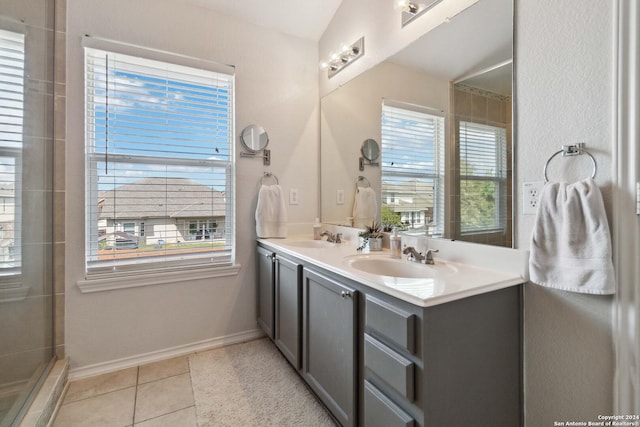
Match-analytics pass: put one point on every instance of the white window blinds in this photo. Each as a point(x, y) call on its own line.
point(160, 178)
point(483, 177)
point(412, 167)
point(12, 62)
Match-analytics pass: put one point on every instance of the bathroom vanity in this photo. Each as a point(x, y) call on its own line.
point(439, 346)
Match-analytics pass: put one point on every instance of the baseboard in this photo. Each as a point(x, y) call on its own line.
point(155, 356)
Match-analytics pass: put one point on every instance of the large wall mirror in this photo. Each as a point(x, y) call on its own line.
point(440, 111)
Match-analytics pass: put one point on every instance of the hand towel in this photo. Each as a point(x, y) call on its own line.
point(364, 207)
point(571, 242)
point(271, 213)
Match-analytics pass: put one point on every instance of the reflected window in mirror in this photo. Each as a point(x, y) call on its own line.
point(12, 63)
point(483, 176)
point(412, 195)
point(481, 210)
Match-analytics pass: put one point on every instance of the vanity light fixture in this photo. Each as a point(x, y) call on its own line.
point(411, 9)
point(347, 55)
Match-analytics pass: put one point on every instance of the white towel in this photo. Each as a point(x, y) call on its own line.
point(571, 243)
point(364, 207)
point(271, 213)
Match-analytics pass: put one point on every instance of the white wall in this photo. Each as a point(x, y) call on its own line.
point(276, 87)
point(564, 71)
point(564, 94)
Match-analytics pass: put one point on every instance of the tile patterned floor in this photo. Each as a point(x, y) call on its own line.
point(153, 395)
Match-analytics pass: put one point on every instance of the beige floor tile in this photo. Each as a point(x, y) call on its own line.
point(113, 409)
point(101, 384)
point(163, 369)
point(163, 396)
point(182, 418)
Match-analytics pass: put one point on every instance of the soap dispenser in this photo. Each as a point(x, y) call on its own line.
point(317, 230)
point(395, 244)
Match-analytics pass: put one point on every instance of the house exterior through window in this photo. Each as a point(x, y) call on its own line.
point(159, 160)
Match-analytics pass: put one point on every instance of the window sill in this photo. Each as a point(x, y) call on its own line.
point(135, 280)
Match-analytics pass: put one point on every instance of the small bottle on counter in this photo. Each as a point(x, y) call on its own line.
point(395, 244)
point(317, 229)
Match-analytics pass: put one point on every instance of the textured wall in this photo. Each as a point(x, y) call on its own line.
point(564, 74)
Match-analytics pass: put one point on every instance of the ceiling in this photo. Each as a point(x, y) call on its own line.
point(306, 19)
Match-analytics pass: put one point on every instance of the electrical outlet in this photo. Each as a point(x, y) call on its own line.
point(340, 197)
point(531, 192)
point(293, 196)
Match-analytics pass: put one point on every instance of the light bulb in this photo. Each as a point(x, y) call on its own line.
point(400, 4)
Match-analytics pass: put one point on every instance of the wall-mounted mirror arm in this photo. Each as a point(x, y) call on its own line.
point(266, 155)
point(255, 140)
point(362, 162)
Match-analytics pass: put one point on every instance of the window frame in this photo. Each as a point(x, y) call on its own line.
point(500, 179)
point(215, 265)
point(10, 277)
point(437, 175)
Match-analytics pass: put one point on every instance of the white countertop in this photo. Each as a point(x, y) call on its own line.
point(461, 280)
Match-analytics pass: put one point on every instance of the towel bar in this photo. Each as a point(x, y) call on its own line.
point(268, 175)
point(571, 150)
point(362, 179)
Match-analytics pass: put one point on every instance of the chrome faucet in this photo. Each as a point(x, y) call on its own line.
point(332, 238)
point(429, 257)
point(415, 256)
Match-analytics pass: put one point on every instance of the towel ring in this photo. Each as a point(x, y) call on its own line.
point(571, 150)
point(268, 175)
point(362, 179)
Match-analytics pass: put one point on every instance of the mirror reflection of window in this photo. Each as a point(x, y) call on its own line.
point(412, 168)
point(12, 61)
point(482, 139)
point(483, 178)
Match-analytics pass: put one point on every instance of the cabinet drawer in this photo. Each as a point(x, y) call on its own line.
point(395, 370)
point(392, 322)
point(380, 411)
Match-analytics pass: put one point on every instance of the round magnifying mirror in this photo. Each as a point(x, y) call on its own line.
point(254, 138)
point(370, 149)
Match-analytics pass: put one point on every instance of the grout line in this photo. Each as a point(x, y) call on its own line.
point(193, 395)
point(169, 413)
point(135, 397)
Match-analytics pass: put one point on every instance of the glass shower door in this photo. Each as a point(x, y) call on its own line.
point(26, 166)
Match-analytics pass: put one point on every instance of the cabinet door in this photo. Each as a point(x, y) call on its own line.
point(265, 291)
point(329, 343)
point(288, 309)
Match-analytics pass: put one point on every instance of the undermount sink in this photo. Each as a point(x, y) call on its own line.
point(400, 268)
point(310, 244)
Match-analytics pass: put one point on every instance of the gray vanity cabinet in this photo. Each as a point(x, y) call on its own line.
point(279, 302)
point(330, 326)
point(288, 318)
point(374, 360)
point(452, 364)
point(266, 294)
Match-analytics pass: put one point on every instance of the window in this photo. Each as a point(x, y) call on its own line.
point(483, 178)
point(412, 167)
point(159, 141)
point(12, 61)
